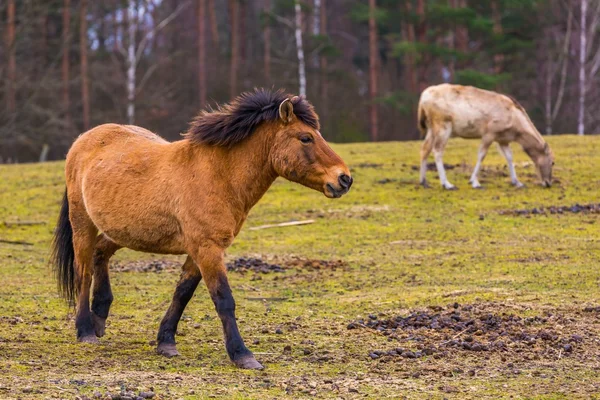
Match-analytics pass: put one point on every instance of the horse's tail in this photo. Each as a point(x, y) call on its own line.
point(422, 121)
point(63, 254)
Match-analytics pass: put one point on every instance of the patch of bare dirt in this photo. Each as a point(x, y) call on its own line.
point(241, 264)
point(574, 209)
point(486, 328)
point(146, 266)
point(431, 167)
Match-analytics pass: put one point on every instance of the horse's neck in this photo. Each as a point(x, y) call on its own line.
point(249, 166)
point(529, 137)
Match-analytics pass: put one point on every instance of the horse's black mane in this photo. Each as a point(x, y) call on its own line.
point(231, 123)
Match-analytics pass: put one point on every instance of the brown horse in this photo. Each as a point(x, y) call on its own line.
point(187, 197)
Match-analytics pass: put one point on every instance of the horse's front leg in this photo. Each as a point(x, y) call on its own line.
point(212, 267)
point(190, 278)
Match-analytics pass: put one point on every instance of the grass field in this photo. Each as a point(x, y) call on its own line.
point(405, 250)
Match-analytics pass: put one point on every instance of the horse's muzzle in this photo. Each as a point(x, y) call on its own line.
point(344, 184)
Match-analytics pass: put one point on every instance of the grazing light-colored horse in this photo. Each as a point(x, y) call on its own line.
point(464, 111)
point(127, 187)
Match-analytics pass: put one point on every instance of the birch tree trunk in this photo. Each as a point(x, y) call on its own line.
point(300, 50)
point(267, 44)
point(131, 61)
point(11, 102)
point(83, 44)
point(373, 117)
point(66, 21)
point(202, 53)
point(582, 73)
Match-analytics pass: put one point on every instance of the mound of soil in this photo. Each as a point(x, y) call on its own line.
point(245, 264)
point(575, 209)
point(478, 328)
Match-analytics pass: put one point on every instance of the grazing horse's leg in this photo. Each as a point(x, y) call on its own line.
point(190, 277)
point(483, 149)
point(507, 152)
point(210, 261)
point(425, 151)
point(105, 248)
point(84, 239)
point(439, 144)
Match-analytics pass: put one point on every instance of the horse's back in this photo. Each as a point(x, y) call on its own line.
point(471, 111)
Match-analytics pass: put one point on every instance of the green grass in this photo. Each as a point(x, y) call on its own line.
point(450, 247)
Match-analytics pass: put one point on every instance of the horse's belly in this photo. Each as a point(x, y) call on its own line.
point(133, 220)
point(157, 240)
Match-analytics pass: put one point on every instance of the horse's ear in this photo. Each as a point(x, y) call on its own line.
point(546, 149)
point(286, 111)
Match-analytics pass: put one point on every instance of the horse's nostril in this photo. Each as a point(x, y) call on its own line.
point(345, 181)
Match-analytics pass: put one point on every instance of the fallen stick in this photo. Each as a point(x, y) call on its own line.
point(291, 223)
point(24, 223)
point(16, 242)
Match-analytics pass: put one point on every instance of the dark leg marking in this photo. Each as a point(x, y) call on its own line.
point(103, 296)
point(236, 349)
point(190, 278)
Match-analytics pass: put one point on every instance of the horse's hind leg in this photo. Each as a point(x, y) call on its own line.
point(105, 248)
point(439, 143)
point(190, 278)
point(425, 151)
point(84, 240)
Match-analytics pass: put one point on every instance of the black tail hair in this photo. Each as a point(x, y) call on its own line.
point(63, 254)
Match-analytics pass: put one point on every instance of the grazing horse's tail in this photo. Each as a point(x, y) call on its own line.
point(63, 254)
point(422, 121)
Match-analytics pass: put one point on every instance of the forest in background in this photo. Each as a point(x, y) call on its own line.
point(68, 65)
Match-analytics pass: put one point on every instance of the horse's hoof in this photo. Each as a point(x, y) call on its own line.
point(248, 362)
point(88, 339)
point(425, 185)
point(451, 187)
point(518, 185)
point(477, 187)
point(167, 350)
point(99, 325)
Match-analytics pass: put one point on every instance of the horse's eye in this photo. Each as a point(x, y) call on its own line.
point(306, 139)
point(553, 163)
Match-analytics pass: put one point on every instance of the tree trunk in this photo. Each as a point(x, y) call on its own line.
point(11, 101)
point(497, 17)
point(214, 29)
point(83, 44)
point(66, 21)
point(202, 53)
point(131, 61)
point(233, 70)
point(300, 51)
point(582, 74)
point(373, 50)
point(421, 33)
point(267, 40)
point(411, 67)
point(316, 28)
point(324, 77)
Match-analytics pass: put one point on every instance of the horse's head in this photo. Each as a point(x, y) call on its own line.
point(300, 154)
point(544, 161)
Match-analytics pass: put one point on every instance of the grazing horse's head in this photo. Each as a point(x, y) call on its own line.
point(300, 153)
point(544, 161)
point(290, 128)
